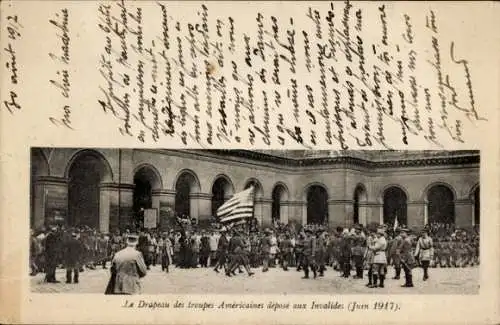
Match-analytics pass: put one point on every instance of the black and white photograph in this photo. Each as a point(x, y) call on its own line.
point(124, 221)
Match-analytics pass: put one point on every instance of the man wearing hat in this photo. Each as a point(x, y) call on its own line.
point(425, 252)
point(52, 251)
point(379, 245)
point(358, 252)
point(395, 254)
point(222, 246)
point(346, 253)
point(321, 249)
point(309, 254)
point(407, 259)
point(73, 250)
point(265, 246)
point(129, 266)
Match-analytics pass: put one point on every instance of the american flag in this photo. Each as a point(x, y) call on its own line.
point(237, 209)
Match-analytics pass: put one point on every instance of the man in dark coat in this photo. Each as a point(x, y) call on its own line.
point(407, 259)
point(222, 247)
point(73, 251)
point(52, 251)
point(346, 254)
point(395, 254)
point(309, 254)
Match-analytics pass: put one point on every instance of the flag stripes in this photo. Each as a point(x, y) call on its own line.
point(238, 208)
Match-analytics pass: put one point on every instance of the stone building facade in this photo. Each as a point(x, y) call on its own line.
point(106, 188)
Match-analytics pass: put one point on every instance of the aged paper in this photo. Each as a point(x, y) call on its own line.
point(271, 75)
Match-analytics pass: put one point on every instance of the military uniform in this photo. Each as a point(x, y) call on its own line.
point(407, 260)
point(265, 246)
point(395, 255)
point(321, 252)
point(425, 253)
point(222, 247)
point(379, 247)
point(346, 255)
point(358, 252)
point(309, 255)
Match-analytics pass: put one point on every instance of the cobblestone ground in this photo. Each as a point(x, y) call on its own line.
point(276, 281)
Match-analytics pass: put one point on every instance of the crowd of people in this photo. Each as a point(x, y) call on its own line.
point(352, 251)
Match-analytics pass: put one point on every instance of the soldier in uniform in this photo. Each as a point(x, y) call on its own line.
point(345, 254)
point(358, 252)
point(102, 250)
point(286, 251)
point(395, 254)
point(309, 254)
point(379, 246)
point(222, 247)
point(299, 250)
point(369, 254)
point(265, 246)
point(237, 254)
point(52, 247)
point(425, 252)
point(321, 249)
point(73, 250)
point(166, 252)
point(407, 259)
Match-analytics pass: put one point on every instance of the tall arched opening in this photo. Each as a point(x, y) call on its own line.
point(317, 205)
point(280, 194)
point(186, 184)
point(86, 172)
point(395, 206)
point(359, 211)
point(441, 204)
point(146, 179)
point(222, 190)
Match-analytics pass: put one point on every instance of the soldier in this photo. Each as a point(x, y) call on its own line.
point(395, 254)
point(309, 254)
point(128, 266)
point(321, 250)
point(345, 254)
point(73, 250)
point(102, 249)
point(166, 252)
point(286, 251)
point(358, 252)
point(222, 247)
point(237, 254)
point(379, 246)
point(52, 247)
point(369, 254)
point(425, 252)
point(299, 250)
point(407, 259)
point(265, 246)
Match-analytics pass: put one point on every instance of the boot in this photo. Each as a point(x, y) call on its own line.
point(369, 284)
point(306, 273)
point(314, 272)
point(68, 276)
point(426, 275)
point(374, 283)
point(166, 268)
point(382, 278)
point(398, 274)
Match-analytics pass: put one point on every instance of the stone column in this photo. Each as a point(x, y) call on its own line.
point(108, 206)
point(285, 207)
point(295, 211)
point(339, 213)
point(201, 207)
point(126, 207)
point(263, 211)
point(50, 199)
point(364, 212)
point(374, 212)
point(164, 202)
point(416, 214)
point(464, 211)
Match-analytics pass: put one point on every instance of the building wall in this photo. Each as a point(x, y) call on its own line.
point(51, 180)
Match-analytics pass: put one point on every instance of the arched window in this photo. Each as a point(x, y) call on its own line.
point(317, 205)
point(395, 206)
point(441, 204)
